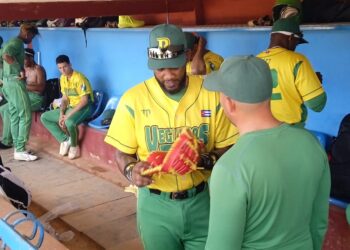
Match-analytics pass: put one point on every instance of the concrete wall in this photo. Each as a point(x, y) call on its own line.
point(114, 59)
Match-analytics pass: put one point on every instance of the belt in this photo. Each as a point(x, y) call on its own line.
point(181, 195)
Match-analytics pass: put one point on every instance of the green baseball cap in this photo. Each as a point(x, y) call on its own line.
point(167, 47)
point(292, 3)
point(288, 26)
point(245, 79)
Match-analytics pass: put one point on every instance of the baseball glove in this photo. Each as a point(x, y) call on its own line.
point(181, 159)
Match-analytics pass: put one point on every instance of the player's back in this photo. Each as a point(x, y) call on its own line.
point(284, 170)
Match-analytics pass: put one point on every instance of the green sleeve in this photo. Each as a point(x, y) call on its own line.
point(317, 103)
point(228, 204)
point(319, 219)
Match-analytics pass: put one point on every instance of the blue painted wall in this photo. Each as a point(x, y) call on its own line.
point(114, 59)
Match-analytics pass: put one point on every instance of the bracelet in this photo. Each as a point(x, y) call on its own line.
point(128, 170)
point(208, 160)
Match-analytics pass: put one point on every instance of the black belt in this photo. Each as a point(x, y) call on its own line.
point(182, 194)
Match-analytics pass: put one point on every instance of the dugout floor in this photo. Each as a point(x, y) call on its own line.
point(85, 196)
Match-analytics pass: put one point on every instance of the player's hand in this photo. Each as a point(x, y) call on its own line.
point(137, 178)
point(21, 76)
point(61, 122)
point(319, 76)
point(202, 42)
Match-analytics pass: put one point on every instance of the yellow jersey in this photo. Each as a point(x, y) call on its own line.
point(212, 63)
point(294, 82)
point(75, 88)
point(147, 120)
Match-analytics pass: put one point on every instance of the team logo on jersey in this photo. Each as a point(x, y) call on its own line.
point(161, 139)
point(146, 112)
point(163, 42)
point(206, 113)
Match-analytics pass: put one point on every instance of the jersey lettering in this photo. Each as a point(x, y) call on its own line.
point(161, 139)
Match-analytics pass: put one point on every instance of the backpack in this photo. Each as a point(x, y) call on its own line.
point(52, 91)
point(340, 162)
point(13, 189)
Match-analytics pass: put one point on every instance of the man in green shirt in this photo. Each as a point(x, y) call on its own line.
point(269, 191)
point(15, 90)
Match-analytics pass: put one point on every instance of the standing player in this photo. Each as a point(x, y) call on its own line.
point(35, 84)
point(172, 209)
point(15, 91)
point(201, 60)
point(295, 83)
point(259, 201)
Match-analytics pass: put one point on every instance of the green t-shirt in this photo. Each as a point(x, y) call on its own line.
point(270, 191)
point(1, 66)
point(14, 48)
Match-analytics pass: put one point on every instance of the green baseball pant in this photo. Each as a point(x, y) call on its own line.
point(19, 108)
point(50, 121)
point(172, 224)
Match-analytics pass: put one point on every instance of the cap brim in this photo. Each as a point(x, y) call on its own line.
point(302, 40)
point(177, 62)
point(213, 82)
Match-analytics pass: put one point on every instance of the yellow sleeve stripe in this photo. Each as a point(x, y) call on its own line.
point(131, 111)
point(312, 92)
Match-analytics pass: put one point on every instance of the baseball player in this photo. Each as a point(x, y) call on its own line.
point(173, 208)
point(77, 97)
point(201, 60)
point(35, 80)
point(295, 83)
point(259, 200)
point(35, 84)
point(15, 91)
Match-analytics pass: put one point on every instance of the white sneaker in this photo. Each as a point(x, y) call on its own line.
point(24, 156)
point(64, 147)
point(73, 153)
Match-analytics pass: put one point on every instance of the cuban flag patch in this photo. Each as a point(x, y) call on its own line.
point(206, 113)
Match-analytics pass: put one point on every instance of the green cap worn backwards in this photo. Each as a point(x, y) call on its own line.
point(288, 26)
point(167, 47)
point(245, 79)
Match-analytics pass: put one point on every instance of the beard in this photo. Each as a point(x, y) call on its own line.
point(181, 84)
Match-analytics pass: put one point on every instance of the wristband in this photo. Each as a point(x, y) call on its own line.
point(128, 170)
point(207, 160)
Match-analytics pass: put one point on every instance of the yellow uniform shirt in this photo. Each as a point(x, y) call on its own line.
point(212, 62)
point(294, 82)
point(148, 120)
point(75, 88)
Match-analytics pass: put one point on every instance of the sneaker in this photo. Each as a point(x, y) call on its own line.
point(4, 146)
point(24, 156)
point(64, 147)
point(129, 22)
point(73, 153)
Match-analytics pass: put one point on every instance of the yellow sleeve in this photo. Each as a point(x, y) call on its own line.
point(212, 62)
point(226, 133)
point(307, 82)
point(84, 86)
point(121, 133)
point(62, 85)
